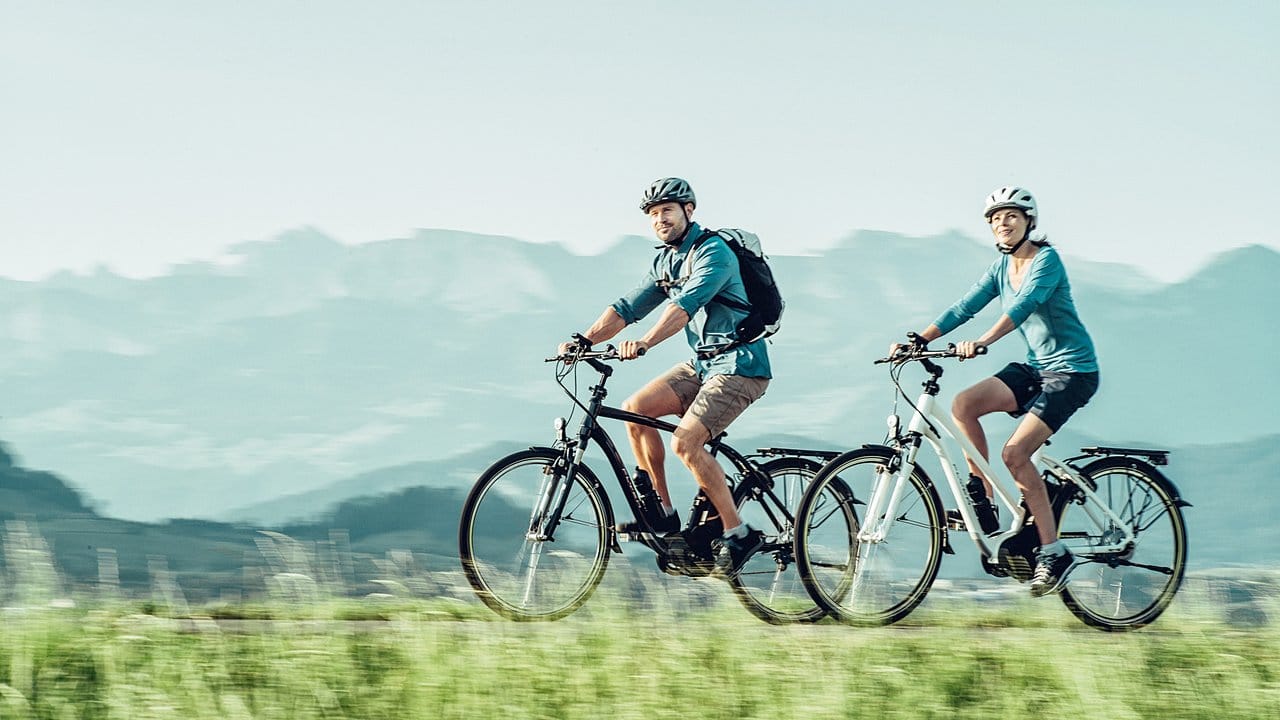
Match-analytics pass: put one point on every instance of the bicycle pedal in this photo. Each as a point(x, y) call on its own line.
point(1019, 566)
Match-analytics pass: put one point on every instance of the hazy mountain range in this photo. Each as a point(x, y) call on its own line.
point(305, 367)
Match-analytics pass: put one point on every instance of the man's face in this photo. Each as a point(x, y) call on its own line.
point(670, 220)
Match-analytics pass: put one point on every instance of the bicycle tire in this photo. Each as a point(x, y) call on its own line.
point(769, 585)
point(528, 579)
point(1130, 589)
point(867, 583)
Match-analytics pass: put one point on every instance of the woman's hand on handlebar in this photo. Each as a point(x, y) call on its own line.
point(916, 343)
point(967, 349)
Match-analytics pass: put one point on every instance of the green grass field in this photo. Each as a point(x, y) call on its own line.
point(668, 658)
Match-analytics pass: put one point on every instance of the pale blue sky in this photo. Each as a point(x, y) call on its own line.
point(139, 134)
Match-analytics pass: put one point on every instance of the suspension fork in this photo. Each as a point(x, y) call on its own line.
point(890, 483)
point(555, 492)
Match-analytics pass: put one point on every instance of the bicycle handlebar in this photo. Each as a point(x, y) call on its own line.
point(608, 353)
point(911, 353)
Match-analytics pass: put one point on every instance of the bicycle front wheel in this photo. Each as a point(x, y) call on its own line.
point(881, 577)
point(769, 585)
point(1129, 588)
point(514, 565)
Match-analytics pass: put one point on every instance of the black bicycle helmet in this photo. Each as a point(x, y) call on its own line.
point(670, 189)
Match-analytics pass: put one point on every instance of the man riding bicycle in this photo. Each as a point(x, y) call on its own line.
point(697, 276)
point(1059, 377)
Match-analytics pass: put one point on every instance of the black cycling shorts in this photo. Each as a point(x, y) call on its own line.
point(1051, 396)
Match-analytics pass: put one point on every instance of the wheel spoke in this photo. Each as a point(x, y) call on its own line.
point(879, 580)
point(769, 584)
point(1129, 588)
point(518, 575)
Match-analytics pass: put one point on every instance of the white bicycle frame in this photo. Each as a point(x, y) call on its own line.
point(889, 487)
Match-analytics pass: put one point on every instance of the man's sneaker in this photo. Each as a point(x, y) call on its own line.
point(988, 519)
point(1051, 572)
point(732, 553)
point(659, 526)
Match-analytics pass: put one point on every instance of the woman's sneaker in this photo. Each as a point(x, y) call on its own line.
point(1051, 572)
point(733, 552)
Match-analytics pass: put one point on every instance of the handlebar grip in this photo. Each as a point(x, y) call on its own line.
point(641, 351)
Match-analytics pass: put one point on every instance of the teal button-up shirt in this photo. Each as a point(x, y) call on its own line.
point(713, 272)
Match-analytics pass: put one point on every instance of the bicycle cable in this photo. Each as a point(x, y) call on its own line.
point(561, 374)
point(896, 377)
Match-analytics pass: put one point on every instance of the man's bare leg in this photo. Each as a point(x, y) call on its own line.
point(689, 444)
point(655, 399)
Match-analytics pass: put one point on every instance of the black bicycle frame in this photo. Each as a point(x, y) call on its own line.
point(591, 430)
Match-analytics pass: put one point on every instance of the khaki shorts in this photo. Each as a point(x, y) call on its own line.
point(715, 403)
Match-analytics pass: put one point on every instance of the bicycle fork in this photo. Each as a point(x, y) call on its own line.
point(557, 480)
point(886, 494)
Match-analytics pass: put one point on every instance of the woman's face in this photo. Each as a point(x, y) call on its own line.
point(1008, 225)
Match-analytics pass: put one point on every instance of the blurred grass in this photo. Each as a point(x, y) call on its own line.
point(401, 658)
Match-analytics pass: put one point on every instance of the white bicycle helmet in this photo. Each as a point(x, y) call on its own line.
point(1012, 196)
point(671, 189)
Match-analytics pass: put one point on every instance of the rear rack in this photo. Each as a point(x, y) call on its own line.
point(1157, 457)
point(793, 452)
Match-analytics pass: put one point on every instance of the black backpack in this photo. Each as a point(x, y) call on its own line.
point(764, 302)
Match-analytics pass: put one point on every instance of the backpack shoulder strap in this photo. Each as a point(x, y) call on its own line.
point(687, 269)
point(686, 265)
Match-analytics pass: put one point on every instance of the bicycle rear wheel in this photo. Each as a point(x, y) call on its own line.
point(880, 580)
point(769, 585)
point(513, 567)
point(1127, 589)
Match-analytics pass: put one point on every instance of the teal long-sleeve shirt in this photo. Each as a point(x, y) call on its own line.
point(713, 273)
point(1042, 309)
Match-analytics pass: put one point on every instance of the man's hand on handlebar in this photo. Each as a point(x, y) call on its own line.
point(578, 341)
point(632, 349)
point(579, 348)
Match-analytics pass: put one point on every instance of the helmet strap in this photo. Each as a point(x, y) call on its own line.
point(1011, 250)
point(676, 242)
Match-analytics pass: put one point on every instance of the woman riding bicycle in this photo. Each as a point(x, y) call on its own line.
point(1059, 377)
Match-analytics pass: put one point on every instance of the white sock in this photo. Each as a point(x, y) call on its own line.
point(737, 532)
point(1054, 548)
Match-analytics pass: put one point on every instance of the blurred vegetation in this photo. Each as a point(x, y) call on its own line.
point(195, 619)
point(209, 560)
point(445, 659)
